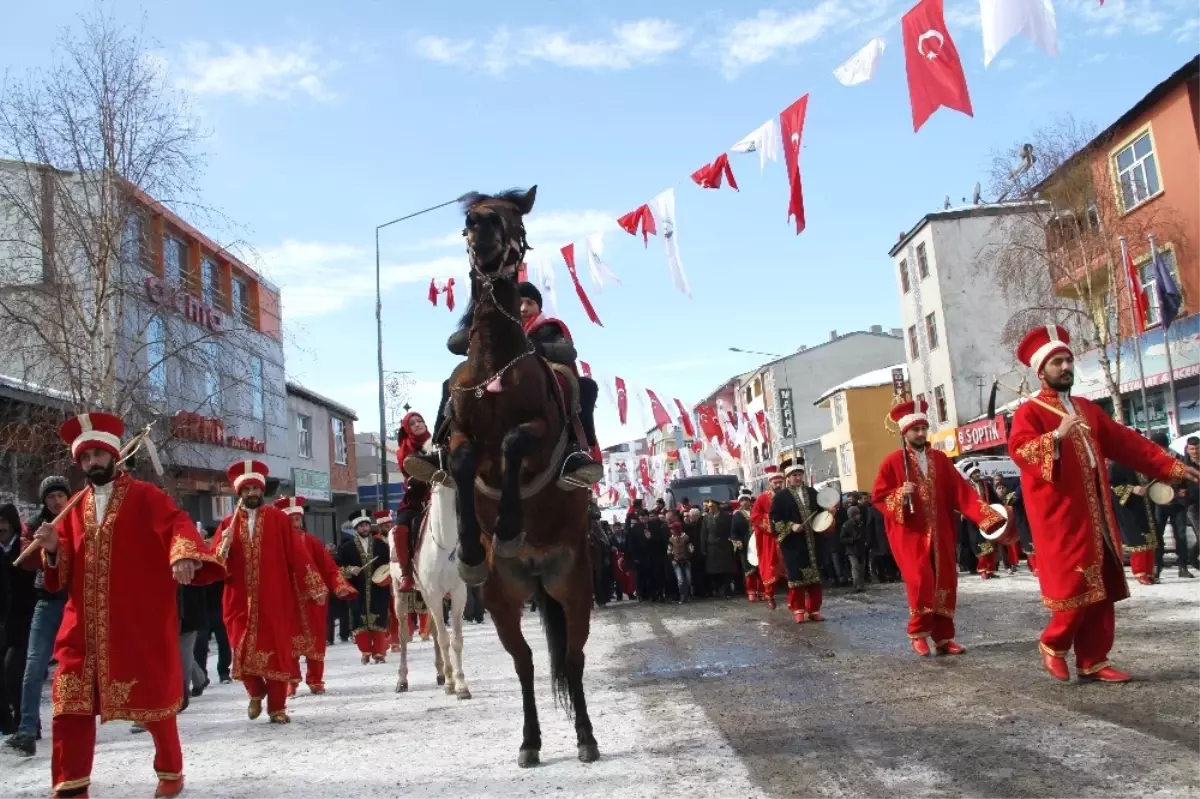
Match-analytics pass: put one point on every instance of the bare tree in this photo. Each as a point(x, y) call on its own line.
point(1061, 260)
point(94, 145)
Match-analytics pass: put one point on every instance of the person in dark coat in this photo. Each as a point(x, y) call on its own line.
point(637, 550)
point(720, 561)
point(18, 617)
point(193, 618)
point(662, 573)
point(883, 565)
point(214, 627)
point(854, 541)
point(693, 522)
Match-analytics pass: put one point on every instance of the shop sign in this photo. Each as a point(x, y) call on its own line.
point(945, 441)
point(166, 295)
point(207, 430)
point(787, 422)
point(1185, 360)
point(984, 434)
point(899, 384)
point(312, 484)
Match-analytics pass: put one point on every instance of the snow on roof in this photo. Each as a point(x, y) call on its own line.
point(876, 377)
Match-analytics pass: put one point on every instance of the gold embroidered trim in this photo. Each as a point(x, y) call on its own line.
point(71, 785)
point(1047, 650)
point(1039, 453)
point(1092, 669)
point(169, 776)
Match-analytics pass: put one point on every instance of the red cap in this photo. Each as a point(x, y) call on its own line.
point(382, 516)
point(248, 472)
point(291, 505)
point(1042, 342)
point(93, 431)
point(909, 414)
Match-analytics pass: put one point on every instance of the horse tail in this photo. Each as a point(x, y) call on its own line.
point(554, 623)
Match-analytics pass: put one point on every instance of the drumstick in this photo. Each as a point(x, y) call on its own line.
point(127, 451)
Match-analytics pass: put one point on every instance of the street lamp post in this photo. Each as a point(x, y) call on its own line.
point(381, 500)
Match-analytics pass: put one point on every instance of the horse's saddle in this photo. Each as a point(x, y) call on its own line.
point(567, 385)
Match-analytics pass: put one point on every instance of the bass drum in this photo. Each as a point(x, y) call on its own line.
point(752, 550)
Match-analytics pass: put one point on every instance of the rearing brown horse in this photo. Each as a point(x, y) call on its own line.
point(521, 534)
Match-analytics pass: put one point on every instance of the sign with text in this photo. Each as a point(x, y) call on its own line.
point(787, 422)
point(207, 430)
point(166, 295)
point(312, 484)
point(899, 384)
point(984, 434)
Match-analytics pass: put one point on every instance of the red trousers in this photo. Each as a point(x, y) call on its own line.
point(1090, 629)
point(754, 585)
point(1142, 563)
point(986, 564)
point(372, 642)
point(274, 690)
point(75, 744)
point(805, 598)
point(931, 625)
point(314, 672)
point(1031, 559)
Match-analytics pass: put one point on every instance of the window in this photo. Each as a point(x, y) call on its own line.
point(749, 394)
point(1137, 172)
point(844, 458)
point(256, 387)
point(304, 435)
point(1150, 286)
point(210, 289)
point(156, 365)
point(757, 387)
point(131, 241)
point(904, 285)
point(212, 378)
point(922, 261)
point(914, 346)
point(339, 440)
point(931, 330)
point(939, 400)
point(241, 301)
point(174, 260)
point(838, 410)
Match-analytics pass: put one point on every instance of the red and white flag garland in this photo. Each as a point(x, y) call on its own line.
point(622, 401)
point(600, 271)
point(685, 419)
point(935, 72)
point(638, 218)
point(664, 212)
point(662, 420)
point(791, 122)
point(568, 254)
point(710, 176)
point(763, 140)
point(447, 288)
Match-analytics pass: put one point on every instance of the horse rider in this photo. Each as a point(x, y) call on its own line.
point(551, 340)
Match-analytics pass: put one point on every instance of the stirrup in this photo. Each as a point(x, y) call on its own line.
point(422, 470)
point(587, 475)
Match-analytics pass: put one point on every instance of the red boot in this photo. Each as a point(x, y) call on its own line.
point(798, 615)
point(168, 788)
point(921, 646)
point(1056, 666)
point(1106, 674)
point(950, 648)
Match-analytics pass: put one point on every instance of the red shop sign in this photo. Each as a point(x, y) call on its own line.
point(983, 434)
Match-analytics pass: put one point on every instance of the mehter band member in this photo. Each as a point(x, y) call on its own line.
point(793, 511)
point(770, 559)
point(740, 533)
point(1064, 482)
point(359, 558)
point(120, 554)
point(918, 491)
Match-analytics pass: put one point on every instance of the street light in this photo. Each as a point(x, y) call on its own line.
point(381, 501)
point(754, 352)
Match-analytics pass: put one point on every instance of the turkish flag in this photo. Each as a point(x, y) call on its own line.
point(710, 176)
point(639, 217)
point(761, 418)
point(585, 368)
point(568, 254)
point(662, 419)
point(685, 418)
point(622, 401)
point(1140, 304)
point(791, 122)
point(709, 425)
point(935, 72)
point(644, 471)
point(749, 427)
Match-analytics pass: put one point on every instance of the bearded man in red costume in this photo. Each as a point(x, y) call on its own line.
point(770, 559)
point(322, 575)
point(551, 340)
point(1064, 481)
point(919, 490)
point(119, 554)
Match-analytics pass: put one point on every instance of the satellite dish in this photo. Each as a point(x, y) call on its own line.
point(976, 199)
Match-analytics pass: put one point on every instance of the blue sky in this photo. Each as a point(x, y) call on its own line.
point(330, 118)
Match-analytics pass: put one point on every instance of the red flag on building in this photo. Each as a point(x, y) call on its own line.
point(709, 426)
point(685, 419)
point(761, 418)
point(935, 72)
point(644, 471)
point(568, 254)
point(791, 123)
point(662, 419)
point(749, 427)
point(1139, 303)
point(622, 401)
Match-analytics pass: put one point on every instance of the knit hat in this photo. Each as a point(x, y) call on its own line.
point(54, 482)
point(529, 291)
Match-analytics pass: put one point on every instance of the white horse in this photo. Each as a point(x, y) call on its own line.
point(436, 575)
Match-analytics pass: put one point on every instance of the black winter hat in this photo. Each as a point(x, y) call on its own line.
point(54, 482)
point(529, 291)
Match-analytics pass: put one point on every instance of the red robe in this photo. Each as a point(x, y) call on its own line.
point(1067, 498)
point(269, 584)
point(770, 560)
point(322, 576)
point(119, 639)
point(929, 533)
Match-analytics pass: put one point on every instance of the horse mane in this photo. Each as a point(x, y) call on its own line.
point(473, 198)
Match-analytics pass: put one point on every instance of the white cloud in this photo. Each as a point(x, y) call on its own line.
point(960, 15)
point(316, 278)
point(626, 45)
point(253, 73)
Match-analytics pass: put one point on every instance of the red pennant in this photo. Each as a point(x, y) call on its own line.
point(935, 72)
point(433, 292)
point(639, 216)
point(585, 368)
point(791, 123)
point(748, 426)
point(1140, 305)
point(450, 294)
point(761, 418)
point(622, 401)
point(644, 472)
point(697, 445)
point(685, 418)
point(568, 254)
point(709, 176)
point(662, 419)
point(523, 273)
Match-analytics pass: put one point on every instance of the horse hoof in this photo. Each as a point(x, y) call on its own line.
point(509, 549)
point(441, 680)
point(472, 575)
point(589, 753)
point(401, 687)
point(463, 693)
point(528, 758)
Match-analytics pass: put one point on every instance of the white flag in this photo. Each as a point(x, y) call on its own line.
point(860, 67)
point(764, 140)
point(664, 217)
point(1003, 19)
point(542, 275)
point(599, 269)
